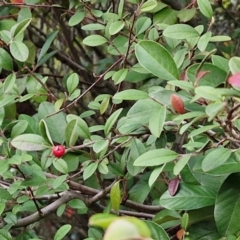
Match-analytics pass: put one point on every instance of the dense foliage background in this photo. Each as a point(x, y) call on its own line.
point(144, 97)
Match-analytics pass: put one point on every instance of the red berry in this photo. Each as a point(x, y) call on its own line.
point(58, 151)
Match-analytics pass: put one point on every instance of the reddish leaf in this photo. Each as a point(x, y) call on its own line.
point(177, 103)
point(183, 76)
point(173, 186)
point(69, 212)
point(17, 1)
point(201, 74)
point(234, 80)
point(180, 234)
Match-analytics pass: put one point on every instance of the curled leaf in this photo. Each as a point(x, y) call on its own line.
point(177, 103)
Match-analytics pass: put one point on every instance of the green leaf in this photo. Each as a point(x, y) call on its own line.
point(213, 109)
point(111, 121)
point(104, 104)
point(189, 115)
point(62, 232)
point(148, 6)
point(185, 15)
point(46, 45)
point(156, 121)
point(182, 84)
point(166, 16)
point(156, 59)
point(166, 215)
point(103, 167)
point(120, 7)
point(215, 158)
point(72, 132)
point(6, 100)
point(93, 27)
point(180, 31)
point(4, 194)
point(5, 235)
point(24, 13)
point(19, 51)
point(208, 93)
point(115, 196)
point(5, 60)
point(74, 95)
point(203, 230)
point(116, 27)
point(36, 179)
point(203, 41)
point(155, 157)
point(46, 57)
point(185, 221)
point(19, 128)
point(76, 18)
point(188, 197)
point(181, 164)
point(2, 207)
point(72, 82)
point(155, 174)
point(77, 204)
point(157, 232)
point(102, 220)
point(205, 8)
point(94, 40)
point(46, 159)
point(137, 148)
point(220, 62)
point(59, 181)
point(100, 145)
point(227, 207)
point(130, 94)
point(20, 27)
point(45, 132)
point(89, 170)
point(119, 76)
point(29, 142)
point(234, 65)
point(201, 130)
point(56, 123)
point(139, 192)
point(60, 165)
point(142, 24)
point(9, 83)
point(83, 129)
point(221, 38)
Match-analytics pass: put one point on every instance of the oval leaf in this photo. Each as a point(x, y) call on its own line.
point(180, 31)
point(94, 40)
point(29, 142)
point(155, 157)
point(19, 51)
point(157, 60)
point(215, 158)
point(115, 196)
point(5, 60)
point(62, 232)
point(188, 197)
point(130, 94)
point(227, 206)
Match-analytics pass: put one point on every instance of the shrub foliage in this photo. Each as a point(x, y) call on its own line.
point(143, 96)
